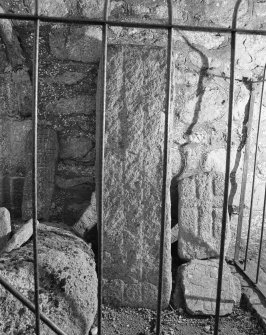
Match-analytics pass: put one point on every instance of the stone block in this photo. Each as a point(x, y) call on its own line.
point(15, 93)
point(200, 219)
point(88, 219)
point(12, 145)
point(21, 236)
point(47, 149)
point(82, 44)
point(5, 227)
point(135, 114)
point(199, 279)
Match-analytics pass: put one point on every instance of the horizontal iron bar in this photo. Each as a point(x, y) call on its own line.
point(100, 22)
point(30, 306)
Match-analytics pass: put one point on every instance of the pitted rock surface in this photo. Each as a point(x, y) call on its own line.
point(5, 227)
point(47, 160)
point(135, 115)
point(198, 279)
point(200, 216)
point(88, 219)
point(68, 284)
point(21, 236)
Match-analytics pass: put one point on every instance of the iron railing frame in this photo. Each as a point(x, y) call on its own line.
point(105, 23)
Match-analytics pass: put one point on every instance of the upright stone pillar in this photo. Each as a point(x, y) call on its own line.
point(134, 142)
point(47, 160)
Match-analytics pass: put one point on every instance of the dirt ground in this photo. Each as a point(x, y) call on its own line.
point(127, 321)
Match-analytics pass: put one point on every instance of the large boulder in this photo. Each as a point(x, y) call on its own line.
point(134, 140)
point(68, 284)
point(200, 211)
point(198, 280)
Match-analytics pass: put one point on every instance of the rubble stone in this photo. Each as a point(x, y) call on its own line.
point(198, 280)
point(21, 236)
point(88, 219)
point(5, 227)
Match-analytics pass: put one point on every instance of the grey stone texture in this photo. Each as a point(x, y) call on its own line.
point(47, 153)
point(68, 284)
point(88, 219)
point(133, 177)
point(200, 216)
point(198, 280)
point(5, 227)
point(21, 236)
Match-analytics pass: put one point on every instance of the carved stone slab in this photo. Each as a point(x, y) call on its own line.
point(47, 159)
point(200, 216)
point(136, 81)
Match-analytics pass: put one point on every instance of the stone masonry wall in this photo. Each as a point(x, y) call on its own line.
point(69, 62)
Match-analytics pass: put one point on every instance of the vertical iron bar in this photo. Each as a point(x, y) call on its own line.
point(227, 170)
point(261, 237)
point(35, 165)
point(254, 171)
point(264, 204)
point(100, 196)
point(244, 177)
point(165, 186)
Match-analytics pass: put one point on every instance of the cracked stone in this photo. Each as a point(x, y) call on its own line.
point(199, 278)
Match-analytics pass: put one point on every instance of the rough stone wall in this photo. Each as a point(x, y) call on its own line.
point(68, 71)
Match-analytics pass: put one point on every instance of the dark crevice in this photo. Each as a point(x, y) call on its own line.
point(200, 88)
point(234, 185)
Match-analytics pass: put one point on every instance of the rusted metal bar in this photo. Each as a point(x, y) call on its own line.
point(101, 153)
point(35, 165)
point(254, 172)
point(99, 22)
point(30, 306)
point(165, 184)
point(227, 170)
point(244, 177)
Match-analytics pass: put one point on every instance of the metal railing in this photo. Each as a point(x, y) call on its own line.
point(243, 267)
point(105, 23)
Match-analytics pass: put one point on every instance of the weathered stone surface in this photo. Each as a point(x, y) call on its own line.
point(5, 227)
point(47, 158)
point(77, 148)
point(133, 177)
point(174, 231)
point(68, 284)
point(12, 145)
point(69, 78)
point(88, 219)
point(21, 236)
point(200, 217)
point(82, 44)
point(66, 183)
point(11, 189)
point(77, 105)
point(15, 93)
point(198, 280)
